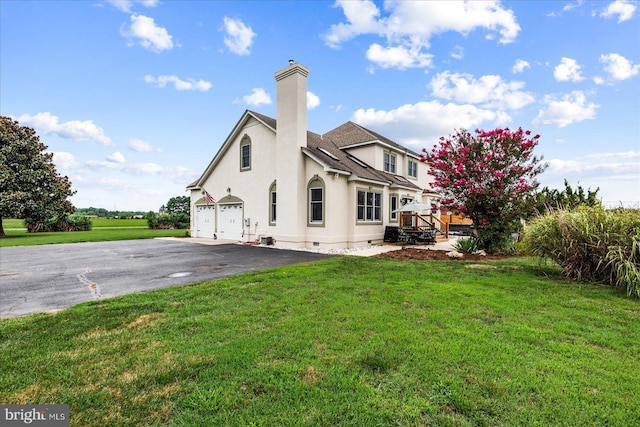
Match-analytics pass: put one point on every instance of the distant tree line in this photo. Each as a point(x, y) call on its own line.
point(105, 213)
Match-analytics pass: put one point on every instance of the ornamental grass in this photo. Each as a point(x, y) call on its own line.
point(590, 243)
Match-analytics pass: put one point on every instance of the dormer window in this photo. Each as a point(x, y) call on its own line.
point(389, 162)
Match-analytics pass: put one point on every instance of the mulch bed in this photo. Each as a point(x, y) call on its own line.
point(435, 255)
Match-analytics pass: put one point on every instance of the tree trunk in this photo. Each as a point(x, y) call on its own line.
point(2, 235)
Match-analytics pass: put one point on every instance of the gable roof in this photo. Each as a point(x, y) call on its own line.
point(325, 152)
point(351, 135)
point(246, 116)
point(328, 150)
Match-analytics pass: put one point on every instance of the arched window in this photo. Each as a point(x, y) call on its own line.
point(316, 194)
point(272, 204)
point(245, 153)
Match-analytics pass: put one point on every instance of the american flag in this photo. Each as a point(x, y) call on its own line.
point(208, 198)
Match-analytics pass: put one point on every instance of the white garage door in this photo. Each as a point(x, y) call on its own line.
point(230, 221)
point(205, 221)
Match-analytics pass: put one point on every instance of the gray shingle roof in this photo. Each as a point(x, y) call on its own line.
point(327, 149)
point(351, 133)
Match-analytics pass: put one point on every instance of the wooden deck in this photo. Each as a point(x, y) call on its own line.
point(424, 222)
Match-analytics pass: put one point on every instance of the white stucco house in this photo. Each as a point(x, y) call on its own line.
point(272, 178)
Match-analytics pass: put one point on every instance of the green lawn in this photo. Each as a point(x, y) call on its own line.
point(104, 229)
point(8, 223)
point(345, 341)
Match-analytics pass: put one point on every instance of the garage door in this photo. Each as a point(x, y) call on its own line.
point(230, 221)
point(205, 221)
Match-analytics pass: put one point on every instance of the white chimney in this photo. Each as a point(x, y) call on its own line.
point(291, 136)
point(291, 104)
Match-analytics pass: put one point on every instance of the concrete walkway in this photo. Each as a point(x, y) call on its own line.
point(366, 251)
point(375, 250)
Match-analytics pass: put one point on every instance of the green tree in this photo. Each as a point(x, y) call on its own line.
point(179, 204)
point(568, 199)
point(30, 186)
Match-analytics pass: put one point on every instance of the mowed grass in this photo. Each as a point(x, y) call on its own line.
point(104, 229)
point(345, 341)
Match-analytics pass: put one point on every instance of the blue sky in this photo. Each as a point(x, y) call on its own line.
point(134, 98)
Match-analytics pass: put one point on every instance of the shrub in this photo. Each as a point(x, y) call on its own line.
point(590, 243)
point(78, 223)
point(467, 245)
point(173, 221)
point(73, 222)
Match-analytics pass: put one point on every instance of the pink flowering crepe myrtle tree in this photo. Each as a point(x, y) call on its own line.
point(488, 176)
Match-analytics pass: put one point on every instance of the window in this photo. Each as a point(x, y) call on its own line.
point(245, 153)
point(412, 169)
point(315, 209)
point(316, 201)
point(389, 162)
point(272, 204)
point(393, 205)
point(369, 206)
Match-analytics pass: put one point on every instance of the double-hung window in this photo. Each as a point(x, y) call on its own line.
point(389, 162)
point(369, 206)
point(412, 169)
point(316, 201)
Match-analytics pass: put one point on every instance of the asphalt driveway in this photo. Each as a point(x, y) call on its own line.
point(50, 277)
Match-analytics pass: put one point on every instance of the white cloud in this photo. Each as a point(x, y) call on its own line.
point(73, 129)
point(180, 174)
point(132, 168)
point(144, 169)
point(312, 100)
point(619, 67)
point(258, 97)
point(457, 52)
point(116, 157)
point(150, 35)
point(178, 83)
point(619, 155)
point(141, 146)
point(567, 8)
point(126, 5)
point(362, 19)
point(568, 70)
point(598, 164)
point(617, 174)
point(65, 160)
point(103, 164)
point(421, 123)
point(239, 38)
point(409, 25)
point(624, 9)
point(490, 91)
point(520, 66)
point(593, 169)
point(570, 108)
point(399, 57)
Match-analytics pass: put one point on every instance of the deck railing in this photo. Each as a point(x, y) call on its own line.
point(423, 222)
